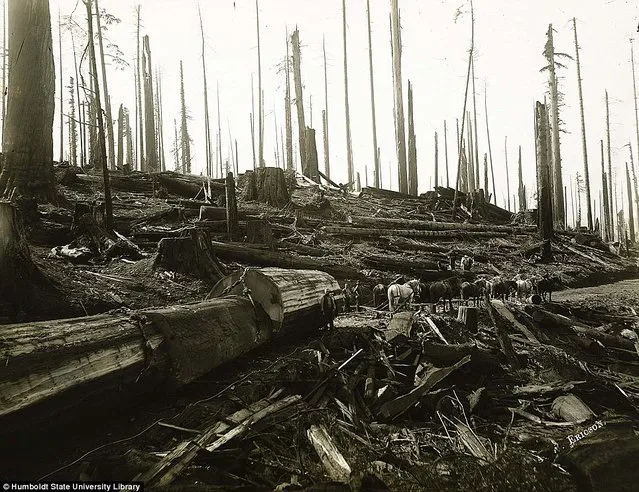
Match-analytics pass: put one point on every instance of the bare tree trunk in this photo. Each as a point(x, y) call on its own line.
point(129, 142)
point(185, 138)
point(446, 154)
point(631, 214)
point(490, 152)
point(583, 128)
point(412, 148)
point(252, 118)
point(436, 160)
point(61, 88)
point(404, 185)
point(142, 159)
point(207, 121)
point(147, 69)
point(120, 161)
point(486, 190)
point(260, 104)
point(349, 144)
point(606, 230)
point(610, 180)
point(105, 86)
point(544, 192)
point(5, 55)
point(27, 145)
point(160, 124)
point(101, 136)
point(370, 68)
point(76, 87)
point(522, 189)
point(299, 98)
point(560, 213)
point(634, 88)
point(219, 128)
point(461, 136)
point(288, 114)
point(471, 156)
point(507, 176)
point(176, 149)
point(73, 142)
point(475, 139)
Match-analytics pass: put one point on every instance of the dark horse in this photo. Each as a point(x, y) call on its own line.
point(445, 289)
point(379, 295)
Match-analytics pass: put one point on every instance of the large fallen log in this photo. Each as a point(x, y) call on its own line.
point(53, 366)
point(398, 264)
point(290, 298)
point(452, 234)
point(385, 223)
point(258, 257)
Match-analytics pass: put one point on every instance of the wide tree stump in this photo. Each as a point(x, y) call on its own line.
point(192, 255)
point(250, 190)
point(271, 186)
point(259, 232)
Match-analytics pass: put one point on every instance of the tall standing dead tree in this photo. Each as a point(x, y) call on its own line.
point(207, 120)
point(490, 152)
point(446, 153)
point(583, 129)
point(377, 175)
point(349, 143)
point(611, 200)
point(631, 213)
point(149, 116)
point(73, 129)
point(120, 159)
point(288, 117)
point(607, 227)
point(404, 185)
point(544, 191)
point(299, 98)
point(27, 144)
point(260, 94)
point(507, 176)
point(412, 145)
point(521, 189)
point(105, 86)
point(140, 112)
point(185, 139)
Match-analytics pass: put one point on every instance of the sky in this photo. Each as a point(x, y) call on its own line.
point(509, 41)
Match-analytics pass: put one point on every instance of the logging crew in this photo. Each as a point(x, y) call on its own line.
point(356, 294)
point(346, 291)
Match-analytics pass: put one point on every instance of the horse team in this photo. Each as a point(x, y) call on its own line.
point(397, 295)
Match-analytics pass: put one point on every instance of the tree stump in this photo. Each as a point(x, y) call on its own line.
point(17, 270)
point(469, 316)
point(232, 226)
point(259, 232)
point(192, 255)
point(271, 186)
point(250, 190)
point(310, 170)
point(96, 211)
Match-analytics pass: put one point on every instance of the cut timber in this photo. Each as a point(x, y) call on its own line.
point(482, 360)
point(435, 329)
point(271, 186)
point(17, 270)
point(398, 406)
point(503, 311)
point(571, 409)
point(302, 248)
point(381, 262)
point(504, 341)
point(212, 213)
point(333, 461)
point(258, 257)
point(469, 316)
point(290, 298)
point(259, 232)
point(232, 226)
point(192, 255)
point(311, 169)
point(163, 473)
point(384, 223)
point(400, 324)
point(57, 366)
point(453, 234)
point(187, 186)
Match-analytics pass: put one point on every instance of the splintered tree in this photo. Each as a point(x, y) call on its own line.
point(207, 122)
point(149, 116)
point(27, 145)
point(490, 152)
point(544, 192)
point(299, 98)
point(521, 190)
point(120, 137)
point(609, 153)
point(412, 146)
point(607, 228)
point(631, 214)
point(185, 139)
point(129, 142)
point(138, 73)
point(399, 99)
point(73, 132)
point(105, 87)
point(583, 129)
point(558, 184)
point(288, 117)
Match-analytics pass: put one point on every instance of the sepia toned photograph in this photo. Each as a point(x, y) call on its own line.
point(322, 246)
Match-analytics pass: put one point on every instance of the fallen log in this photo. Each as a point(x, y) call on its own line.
point(332, 460)
point(392, 223)
point(244, 254)
point(500, 325)
point(187, 186)
point(290, 298)
point(304, 249)
point(387, 262)
point(452, 234)
point(570, 408)
point(482, 360)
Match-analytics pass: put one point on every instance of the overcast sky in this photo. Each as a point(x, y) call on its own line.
point(509, 38)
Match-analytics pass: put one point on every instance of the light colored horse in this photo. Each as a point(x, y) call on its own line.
point(397, 294)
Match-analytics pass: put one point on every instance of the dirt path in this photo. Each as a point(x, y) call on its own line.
point(625, 288)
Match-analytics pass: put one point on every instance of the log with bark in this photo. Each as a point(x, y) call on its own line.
point(242, 253)
point(392, 223)
point(259, 232)
point(55, 366)
point(443, 235)
point(271, 186)
point(289, 297)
